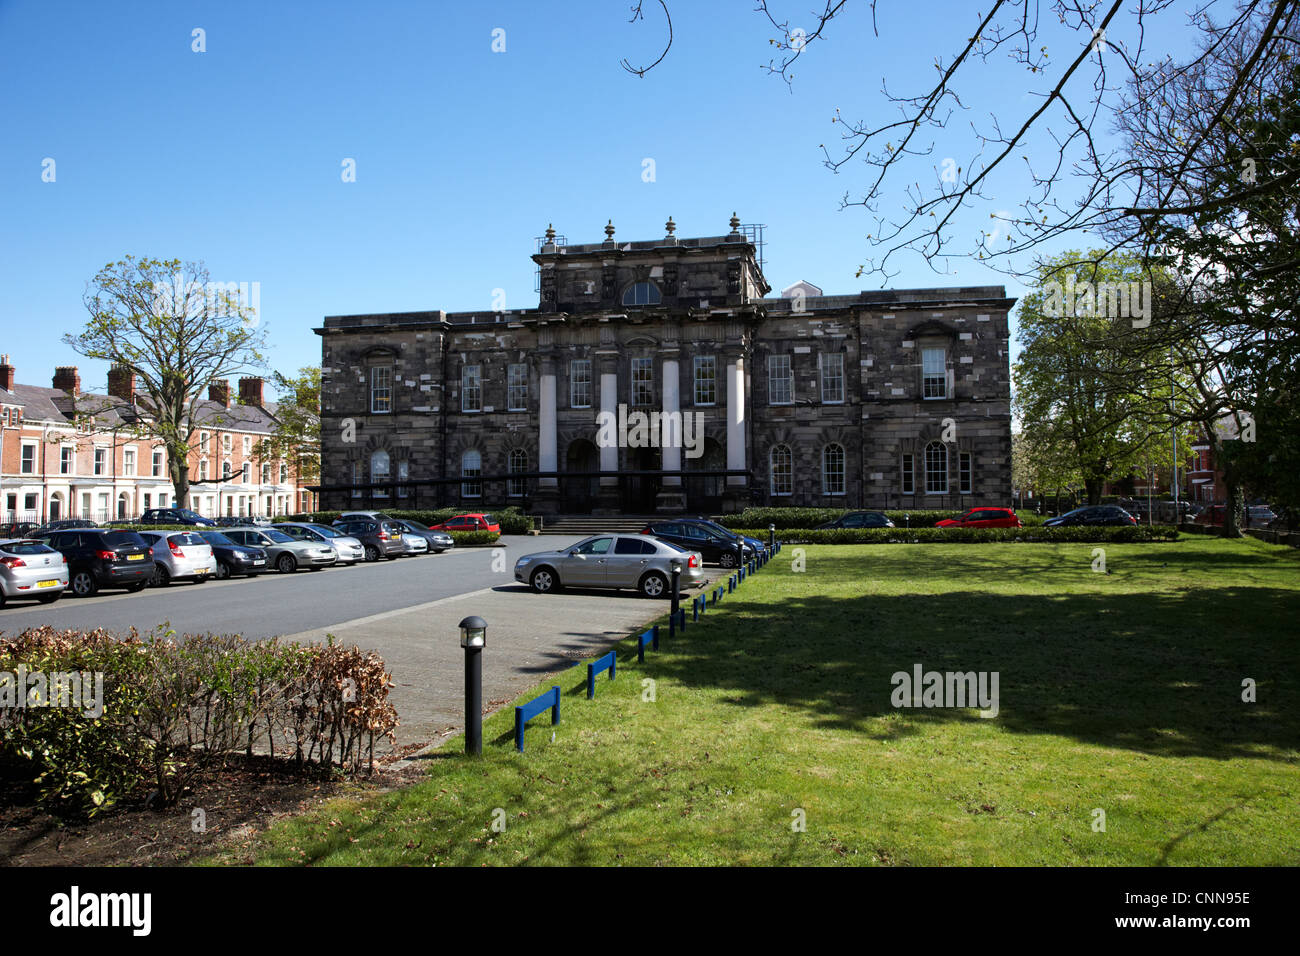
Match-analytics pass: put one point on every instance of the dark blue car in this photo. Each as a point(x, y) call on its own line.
point(234, 559)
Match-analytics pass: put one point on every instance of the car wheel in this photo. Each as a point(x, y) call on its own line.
point(544, 581)
point(654, 585)
point(47, 599)
point(160, 576)
point(286, 563)
point(372, 553)
point(223, 571)
point(728, 559)
point(83, 584)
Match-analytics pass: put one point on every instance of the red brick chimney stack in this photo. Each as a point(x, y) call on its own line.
point(121, 383)
point(250, 392)
point(219, 391)
point(67, 379)
point(6, 374)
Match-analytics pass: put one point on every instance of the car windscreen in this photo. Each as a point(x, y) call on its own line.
point(279, 537)
point(25, 547)
point(124, 537)
point(215, 537)
point(326, 532)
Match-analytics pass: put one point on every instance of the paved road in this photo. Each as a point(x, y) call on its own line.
point(407, 610)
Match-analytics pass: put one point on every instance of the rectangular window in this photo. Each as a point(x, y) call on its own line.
point(67, 455)
point(101, 458)
point(580, 383)
point(248, 445)
point(471, 468)
point(243, 473)
point(471, 388)
point(965, 464)
point(936, 469)
point(780, 381)
point(157, 463)
point(517, 388)
point(706, 380)
point(266, 473)
point(128, 462)
point(225, 443)
point(203, 443)
point(284, 473)
point(832, 367)
point(909, 475)
point(28, 466)
point(934, 373)
point(643, 381)
point(356, 479)
point(381, 390)
point(403, 473)
point(203, 469)
point(833, 470)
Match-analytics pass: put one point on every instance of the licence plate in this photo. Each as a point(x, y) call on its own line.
point(47, 584)
point(260, 561)
point(135, 557)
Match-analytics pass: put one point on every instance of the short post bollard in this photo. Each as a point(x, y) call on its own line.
point(473, 637)
point(676, 586)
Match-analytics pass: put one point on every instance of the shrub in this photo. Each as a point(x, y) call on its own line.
point(469, 539)
point(511, 519)
point(1081, 535)
point(172, 707)
point(785, 518)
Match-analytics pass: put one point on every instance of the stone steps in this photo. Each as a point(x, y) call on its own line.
point(593, 524)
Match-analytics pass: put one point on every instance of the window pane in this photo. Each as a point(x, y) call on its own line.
point(517, 465)
point(833, 470)
point(934, 374)
point(471, 467)
point(381, 392)
point(782, 473)
point(471, 388)
point(517, 391)
point(832, 378)
point(580, 383)
point(643, 381)
point(936, 469)
point(706, 384)
point(909, 480)
point(779, 385)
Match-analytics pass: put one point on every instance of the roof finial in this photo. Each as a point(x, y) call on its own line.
point(735, 224)
point(670, 226)
point(550, 233)
point(609, 231)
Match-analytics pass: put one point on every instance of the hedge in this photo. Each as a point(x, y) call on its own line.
point(512, 519)
point(463, 539)
point(785, 518)
point(1080, 535)
point(171, 707)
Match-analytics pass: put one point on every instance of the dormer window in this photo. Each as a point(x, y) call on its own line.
point(642, 293)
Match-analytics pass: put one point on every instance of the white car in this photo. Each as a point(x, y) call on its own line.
point(30, 569)
point(414, 545)
point(179, 556)
point(349, 549)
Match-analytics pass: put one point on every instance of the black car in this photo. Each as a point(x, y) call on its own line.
point(439, 541)
point(1092, 516)
point(176, 516)
point(103, 558)
point(232, 558)
point(18, 529)
point(63, 524)
point(720, 547)
point(859, 519)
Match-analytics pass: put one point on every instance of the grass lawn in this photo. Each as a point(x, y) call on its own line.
point(1119, 691)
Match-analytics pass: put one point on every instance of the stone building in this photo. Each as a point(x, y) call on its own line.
point(658, 376)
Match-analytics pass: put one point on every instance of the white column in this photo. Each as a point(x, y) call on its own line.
point(736, 419)
point(609, 407)
point(546, 440)
point(672, 453)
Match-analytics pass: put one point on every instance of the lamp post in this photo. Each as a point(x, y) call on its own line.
point(473, 636)
point(676, 566)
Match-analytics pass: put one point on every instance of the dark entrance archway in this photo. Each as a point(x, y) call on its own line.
point(637, 492)
point(578, 494)
point(704, 495)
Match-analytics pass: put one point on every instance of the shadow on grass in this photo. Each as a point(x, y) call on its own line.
point(1155, 672)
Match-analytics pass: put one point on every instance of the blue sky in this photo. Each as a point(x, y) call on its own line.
point(233, 156)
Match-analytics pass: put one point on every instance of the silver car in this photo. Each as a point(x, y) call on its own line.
point(30, 569)
point(612, 561)
point(349, 549)
point(179, 556)
point(284, 553)
point(415, 544)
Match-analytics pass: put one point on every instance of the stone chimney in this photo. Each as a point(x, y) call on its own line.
point(121, 383)
point(250, 392)
point(219, 391)
point(67, 379)
point(6, 374)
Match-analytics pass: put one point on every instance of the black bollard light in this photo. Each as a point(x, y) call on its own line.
point(771, 537)
point(473, 636)
point(676, 567)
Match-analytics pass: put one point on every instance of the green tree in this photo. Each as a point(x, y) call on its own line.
point(176, 330)
point(1087, 405)
point(296, 436)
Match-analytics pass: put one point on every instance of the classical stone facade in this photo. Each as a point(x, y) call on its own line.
point(892, 399)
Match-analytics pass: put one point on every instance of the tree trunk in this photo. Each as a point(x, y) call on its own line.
point(1093, 487)
point(1235, 508)
point(180, 470)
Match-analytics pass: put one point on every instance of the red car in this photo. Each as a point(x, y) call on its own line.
point(468, 522)
point(982, 518)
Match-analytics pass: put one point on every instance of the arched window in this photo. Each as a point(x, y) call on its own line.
point(641, 293)
point(782, 470)
point(833, 470)
point(471, 467)
point(379, 472)
point(518, 464)
point(936, 468)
